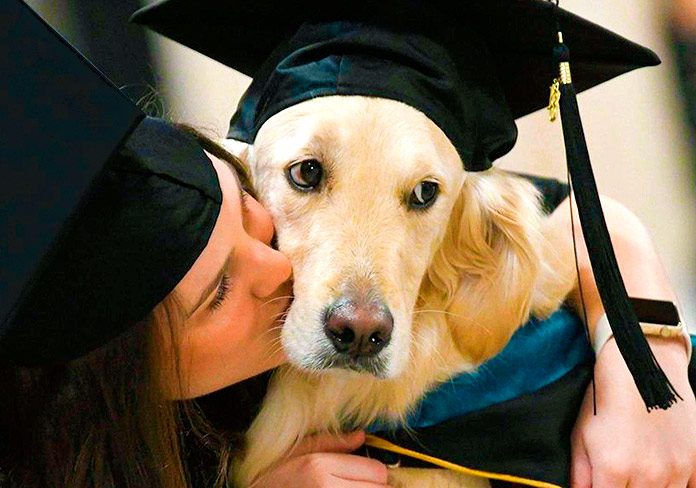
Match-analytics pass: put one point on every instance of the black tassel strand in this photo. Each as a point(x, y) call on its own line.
point(653, 385)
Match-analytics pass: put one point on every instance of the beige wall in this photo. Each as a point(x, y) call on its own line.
point(632, 125)
point(196, 89)
point(637, 142)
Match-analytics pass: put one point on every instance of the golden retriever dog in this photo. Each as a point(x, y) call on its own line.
point(407, 269)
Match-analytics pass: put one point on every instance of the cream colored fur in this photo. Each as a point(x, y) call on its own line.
point(458, 278)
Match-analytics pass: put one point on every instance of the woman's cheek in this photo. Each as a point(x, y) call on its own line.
point(240, 320)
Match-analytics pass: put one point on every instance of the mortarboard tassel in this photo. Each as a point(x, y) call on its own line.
point(653, 385)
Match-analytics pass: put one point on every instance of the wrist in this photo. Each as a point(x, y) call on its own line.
point(659, 320)
point(611, 370)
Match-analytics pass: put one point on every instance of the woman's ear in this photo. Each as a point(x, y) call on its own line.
point(492, 260)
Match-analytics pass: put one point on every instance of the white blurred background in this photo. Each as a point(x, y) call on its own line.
point(636, 125)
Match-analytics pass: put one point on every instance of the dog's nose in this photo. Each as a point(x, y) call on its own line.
point(358, 329)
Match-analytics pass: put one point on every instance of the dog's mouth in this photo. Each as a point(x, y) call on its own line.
point(373, 365)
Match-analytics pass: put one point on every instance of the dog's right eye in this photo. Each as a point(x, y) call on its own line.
point(305, 175)
point(423, 195)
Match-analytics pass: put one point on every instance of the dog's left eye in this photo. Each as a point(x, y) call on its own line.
point(423, 195)
point(305, 175)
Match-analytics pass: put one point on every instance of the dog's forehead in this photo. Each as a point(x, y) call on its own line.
point(355, 127)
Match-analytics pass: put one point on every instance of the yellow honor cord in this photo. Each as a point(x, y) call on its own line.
point(379, 443)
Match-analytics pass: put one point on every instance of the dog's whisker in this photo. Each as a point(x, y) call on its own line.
point(275, 351)
point(276, 345)
point(275, 342)
point(270, 331)
point(443, 312)
point(275, 299)
point(281, 316)
point(281, 297)
point(276, 328)
point(420, 346)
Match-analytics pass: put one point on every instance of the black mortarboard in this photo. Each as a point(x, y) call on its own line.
point(102, 210)
point(496, 51)
point(471, 66)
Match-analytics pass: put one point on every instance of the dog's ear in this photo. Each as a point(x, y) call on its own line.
point(495, 265)
point(237, 148)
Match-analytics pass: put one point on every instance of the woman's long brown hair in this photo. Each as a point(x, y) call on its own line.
point(103, 421)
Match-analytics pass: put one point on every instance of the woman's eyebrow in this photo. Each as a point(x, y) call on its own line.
point(212, 286)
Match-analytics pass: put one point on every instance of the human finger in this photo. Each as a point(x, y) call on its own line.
point(679, 482)
point(324, 470)
point(681, 474)
point(325, 442)
point(654, 479)
point(359, 484)
point(668, 473)
point(609, 477)
point(348, 467)
point(692, 480)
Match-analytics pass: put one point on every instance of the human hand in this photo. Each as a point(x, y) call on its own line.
point(322, 461)
point(624, 445)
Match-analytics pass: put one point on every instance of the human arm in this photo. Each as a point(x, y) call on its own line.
point(624, 445)
point(322, 461)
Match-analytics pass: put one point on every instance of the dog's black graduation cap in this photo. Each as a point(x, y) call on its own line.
point(103, 210)
point(471, 66)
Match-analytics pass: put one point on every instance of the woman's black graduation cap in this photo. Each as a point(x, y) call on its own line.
point(102, 210)
point(471, 66)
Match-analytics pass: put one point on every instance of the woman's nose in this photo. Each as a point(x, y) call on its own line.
point(258, 220)
point(270, 269)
